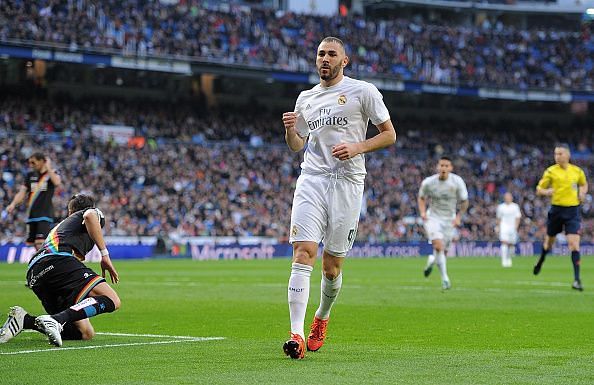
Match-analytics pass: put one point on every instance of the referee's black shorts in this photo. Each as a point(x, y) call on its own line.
point(61, 281)
point(561, 218)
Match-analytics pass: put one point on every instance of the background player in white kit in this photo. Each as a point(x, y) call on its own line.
point(508, 221)
point(444, 189)
point(332, 117)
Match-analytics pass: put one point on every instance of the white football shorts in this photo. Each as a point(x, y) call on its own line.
point(326, 209)
point(508, 235)
point(439, 228)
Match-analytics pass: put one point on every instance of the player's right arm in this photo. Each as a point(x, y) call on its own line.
point(18, 198)
point(543, 188)
point(292, 137)
point(92, 222)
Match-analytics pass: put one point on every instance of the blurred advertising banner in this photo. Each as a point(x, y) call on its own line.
point(314, 7)
point(117, 133)
point(225, 250)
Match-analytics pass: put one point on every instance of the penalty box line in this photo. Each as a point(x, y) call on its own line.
point(174, 340)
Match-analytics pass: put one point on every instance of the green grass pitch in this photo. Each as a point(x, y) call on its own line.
point(390, 326)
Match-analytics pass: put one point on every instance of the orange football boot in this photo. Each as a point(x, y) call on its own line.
point(317, 333)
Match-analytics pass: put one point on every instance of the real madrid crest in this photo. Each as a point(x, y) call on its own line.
point(342, 100)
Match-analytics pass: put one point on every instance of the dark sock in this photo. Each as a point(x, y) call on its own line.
point(89, 307)
point(575, 259)
point(71, 332)
point(29, 323)
point(543, 255)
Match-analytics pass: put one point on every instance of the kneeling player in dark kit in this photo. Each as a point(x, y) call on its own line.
point(69, 291)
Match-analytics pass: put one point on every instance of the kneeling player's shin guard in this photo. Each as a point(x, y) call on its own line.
point(87, 308)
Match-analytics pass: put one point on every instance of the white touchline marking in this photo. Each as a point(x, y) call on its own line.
point(197, 339)
point(176, 340)
point(151, 335)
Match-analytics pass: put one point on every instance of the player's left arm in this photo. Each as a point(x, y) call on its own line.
point(463, 199)
point(93, 224)
point(53, 175)
point(386, 137)
point(518, 218)
point(463, 208)
point(582, 186)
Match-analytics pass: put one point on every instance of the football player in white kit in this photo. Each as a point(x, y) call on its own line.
point(444, 189)
point(331, 118)
point(508, 221)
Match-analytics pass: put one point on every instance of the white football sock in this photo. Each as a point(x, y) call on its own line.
point(298, 294)
point(441, 264)
point(430, 260)
point(504, 251)
point(328, 295)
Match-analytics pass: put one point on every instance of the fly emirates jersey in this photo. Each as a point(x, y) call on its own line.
point(445, 194)
point(508, 213)
point(338, 114)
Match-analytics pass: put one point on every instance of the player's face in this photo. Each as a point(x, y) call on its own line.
point(330, 61)
point(561, 155)
point(36, 164)
point(508, 198)
point(444, 167)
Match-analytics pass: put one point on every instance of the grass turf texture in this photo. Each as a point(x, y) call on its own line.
point(390, 325)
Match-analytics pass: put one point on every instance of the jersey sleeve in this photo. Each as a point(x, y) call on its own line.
point(49, 180)
point(301, 125)
point(545, 181)
point(498, 212)
point(462, 191)
point(100, 216)
point(374, 106)
point(423, 190)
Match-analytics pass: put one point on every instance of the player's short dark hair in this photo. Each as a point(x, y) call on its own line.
point(332, 39)
point(37, 156)
point(562, 145)
point(445, 157)
point(80, 202)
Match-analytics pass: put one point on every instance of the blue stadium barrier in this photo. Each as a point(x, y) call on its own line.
point(12, 253)
point(20, 253)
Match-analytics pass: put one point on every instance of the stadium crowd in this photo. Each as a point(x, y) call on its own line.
point(489, 54)
point(226, 183)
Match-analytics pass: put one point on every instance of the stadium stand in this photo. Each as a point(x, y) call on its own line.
point(489, 54)
point(233, 185)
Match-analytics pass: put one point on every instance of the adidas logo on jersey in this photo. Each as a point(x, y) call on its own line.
point(307, 107)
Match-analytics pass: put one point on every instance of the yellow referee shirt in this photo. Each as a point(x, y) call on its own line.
point(565, 184)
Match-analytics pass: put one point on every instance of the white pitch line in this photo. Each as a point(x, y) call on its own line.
point(176, 340)
point(152, 335)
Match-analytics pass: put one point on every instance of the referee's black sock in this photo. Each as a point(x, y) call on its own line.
point(575, 259)
point(87, 308)
point(541, 260)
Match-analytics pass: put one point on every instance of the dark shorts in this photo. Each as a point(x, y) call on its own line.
point(38, 230)
point(563, 219)
point(60, 282)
